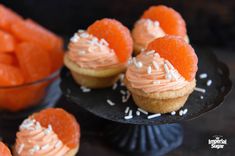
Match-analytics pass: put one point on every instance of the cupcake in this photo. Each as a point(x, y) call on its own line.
point(163, 76)
point(4, 150)
point(98, 55)
point(50, 132)
point(156, 22)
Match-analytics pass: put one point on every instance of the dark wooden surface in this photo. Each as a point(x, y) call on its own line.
point(196, 132)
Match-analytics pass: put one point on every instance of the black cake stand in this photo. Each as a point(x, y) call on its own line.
point(157, 136)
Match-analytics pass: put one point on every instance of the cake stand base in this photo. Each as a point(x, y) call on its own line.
point(145, 140)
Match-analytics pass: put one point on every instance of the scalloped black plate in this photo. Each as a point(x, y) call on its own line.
point(95, 101)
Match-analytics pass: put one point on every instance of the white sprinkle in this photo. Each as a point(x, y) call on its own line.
point(121, 77)
point(58, 144)
point(94, 40)
point(104, 42)
point(156, 54)
point(154, 116)
point(130, 61)
point(80, 31)
point(200, 89)
point(203, 75)
point(81, 52)
point(173, 75)
point(143, 111)
point(84, 35)
point(85, 89)
point(201, 97)
point(169, 64)
point(38, 126)
point(142, 50)
point(114, 86)
point(149, 70)
point(134, 60)
point(127, 110)
point(181, 112)
point(173, 113)
point(156, 82)
point(166, 68)
point(20, 148)
point(128, 117)
point(110, 102)
point(139, 64)
point(168, 76)
point(122, 92)
point(156, 24)
point(137, 113)
point(75, 38)
point(185, 111)
point(35, 149)
point(44, 147)
point(150, 52)
point(156, 66)
point(209, 82)
point(48, 130)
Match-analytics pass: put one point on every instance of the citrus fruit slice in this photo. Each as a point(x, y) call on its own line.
point(10, 76)
point(6, 58)
point(63, 124)
point(34, 61)
point(7, 43)
point(116, 34)
point(8, 17)
point(30, 31)
point(4, 150)
point(180, 54)
point(169, 19)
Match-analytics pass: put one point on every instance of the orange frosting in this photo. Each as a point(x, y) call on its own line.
point(151, 73)
point(145, 31)
point(33, 139)
point(87, 51)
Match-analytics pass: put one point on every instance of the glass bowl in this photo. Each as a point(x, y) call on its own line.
point(43, 92)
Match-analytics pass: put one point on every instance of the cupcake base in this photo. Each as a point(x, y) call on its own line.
point(94, 78)
point(94, 82)
point(162, 102)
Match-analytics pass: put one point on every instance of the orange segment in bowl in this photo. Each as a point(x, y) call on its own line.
point(63, 124)
point(170, 20)
point(7, 43)
point(6, 58)
point(32, 32)
point(117, 35)
point(10, 76)
point(4, 150)
point(8, 17)
point(34, 61)
point(178, 52)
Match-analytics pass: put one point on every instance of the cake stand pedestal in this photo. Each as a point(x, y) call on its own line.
point(157, 136)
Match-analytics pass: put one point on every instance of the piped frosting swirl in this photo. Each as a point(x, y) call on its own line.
point(87, 51)
point(33, 139)
point(151, 73)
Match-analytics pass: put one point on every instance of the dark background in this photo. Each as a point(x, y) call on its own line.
point(209, 22)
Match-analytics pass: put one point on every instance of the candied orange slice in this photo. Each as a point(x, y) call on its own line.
point(116, 34)
point(34, 61)
point(8, 17)
point(170, 20)
point(4, 150)
point(30, 31)
point(7, 43)
point(178, 52)
point(10, 76)
point(6, 58)
point(63, 124)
